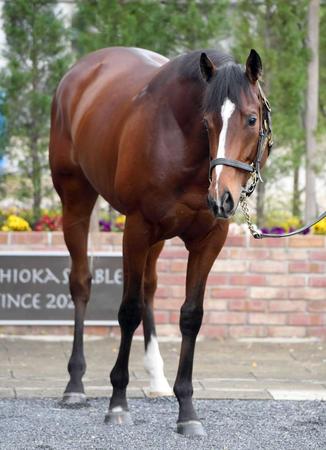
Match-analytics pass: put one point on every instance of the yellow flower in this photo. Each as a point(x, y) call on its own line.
point(15, 223)
point(320, 227)
point(120, 220)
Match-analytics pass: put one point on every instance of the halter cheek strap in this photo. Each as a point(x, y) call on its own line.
point(264, 133)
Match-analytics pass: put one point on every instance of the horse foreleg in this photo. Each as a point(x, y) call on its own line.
point(200, 262)
point(135, 250)
point(153, 362)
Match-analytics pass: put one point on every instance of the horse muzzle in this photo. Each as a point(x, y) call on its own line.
point(223, 207)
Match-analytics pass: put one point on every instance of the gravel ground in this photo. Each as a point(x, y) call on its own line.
point(28, 424)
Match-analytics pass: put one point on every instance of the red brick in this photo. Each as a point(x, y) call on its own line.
point(29, 238)
point(247, 331)
point(174, 316)
point(176, 242)
point(305, 319)
point(268, 267)
point(3, 238)
point(314, 294)
point(170, 253)
point(226, 317)
point(224, 254)
point(58, 240)
point(285, 280)
point(307, 241)
point(229, 292)
point(317, 281)
point(296, 293)
point(98, 331)
point(316, 331)
point(215, 305)
point(317, 306)
point(171, 279)
point(231, 266)
point(215, 279)
point(268, 243)
point(248, 280)
point(163, 292)
point(213, 330)
point(114, 239)
point(236, 241)
point(268, 293)
point(306, 293)
point(178, 292)
point(306, 267)
point(267, 319)
point(318, 255)
point(168, 304)
point(168, 329)
point(286, 331)
point(248, 253)
point(296, 254)
point(178, 265)
point(163, 265)
point(286, 305)
point(161, 316)
point(247, 305)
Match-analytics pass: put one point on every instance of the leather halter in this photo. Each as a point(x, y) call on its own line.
point(265, 134)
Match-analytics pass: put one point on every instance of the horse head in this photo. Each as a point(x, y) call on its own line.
point(237, 119)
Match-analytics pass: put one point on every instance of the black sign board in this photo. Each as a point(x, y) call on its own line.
point(34, 289)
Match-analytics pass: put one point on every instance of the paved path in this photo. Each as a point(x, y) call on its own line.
point(223, 370)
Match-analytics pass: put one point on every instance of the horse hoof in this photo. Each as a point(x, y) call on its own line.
point(159, 393)
point(117, 416)
point(74, 399)
point(191, 428)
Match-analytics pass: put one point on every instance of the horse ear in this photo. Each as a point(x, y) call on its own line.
point(207, 67)
point(254, 66)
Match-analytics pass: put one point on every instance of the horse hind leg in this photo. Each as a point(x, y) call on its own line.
point(153, 362)
point(78, 199)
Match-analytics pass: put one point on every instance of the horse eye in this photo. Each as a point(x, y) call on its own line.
point(252, 120)
point(205, 124)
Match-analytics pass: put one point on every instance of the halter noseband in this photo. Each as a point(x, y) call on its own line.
point(265, 133)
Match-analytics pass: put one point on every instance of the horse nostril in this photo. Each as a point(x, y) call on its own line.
point(227, 202)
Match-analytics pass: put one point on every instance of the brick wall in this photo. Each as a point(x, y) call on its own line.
point(273, 288)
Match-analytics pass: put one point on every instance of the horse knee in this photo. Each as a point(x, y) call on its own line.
point(191, 317)
point(130, 314)
point(80, 286)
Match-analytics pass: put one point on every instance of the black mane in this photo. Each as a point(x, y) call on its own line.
point(229, 81)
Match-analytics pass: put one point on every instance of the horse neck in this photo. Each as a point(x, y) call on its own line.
point(185, 100)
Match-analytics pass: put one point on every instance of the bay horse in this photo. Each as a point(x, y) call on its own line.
point(144, 133)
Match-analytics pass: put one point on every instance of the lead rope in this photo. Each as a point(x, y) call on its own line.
point(258, 234)
point(254, 230)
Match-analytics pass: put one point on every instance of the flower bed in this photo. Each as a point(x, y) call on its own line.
point(15, 220)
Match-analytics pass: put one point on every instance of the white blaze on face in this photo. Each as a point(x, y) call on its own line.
point(226, 112)
point(153, 363)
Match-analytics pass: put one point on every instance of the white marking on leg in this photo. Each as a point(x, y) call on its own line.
point(226, 112)
point(153, 364)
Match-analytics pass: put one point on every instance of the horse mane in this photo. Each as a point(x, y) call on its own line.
point(229, 80)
